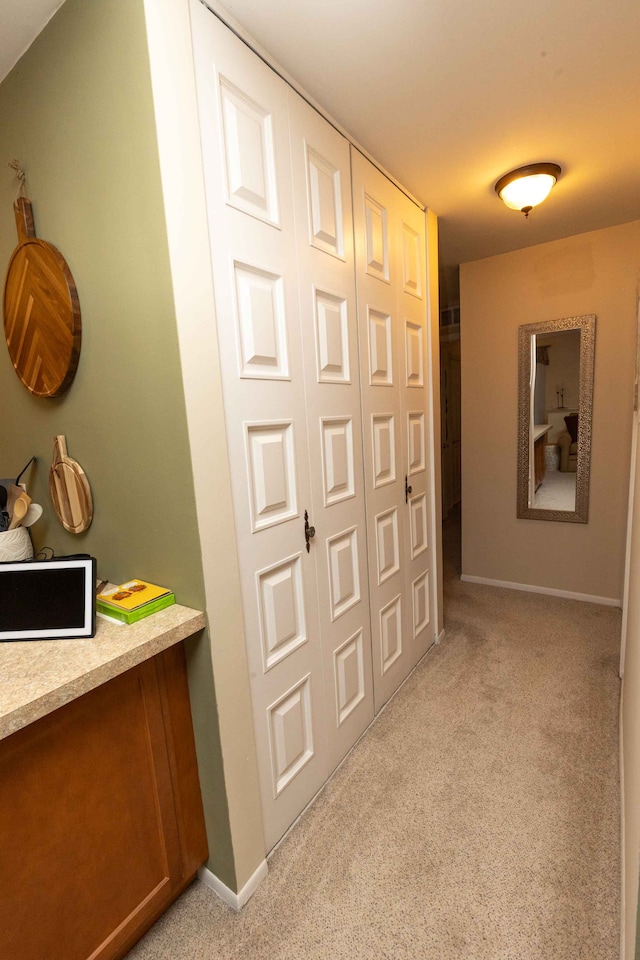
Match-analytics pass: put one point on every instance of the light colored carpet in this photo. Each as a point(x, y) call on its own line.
point(556, 492)
point(478, 819)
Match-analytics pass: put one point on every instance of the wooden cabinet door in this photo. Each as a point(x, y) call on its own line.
point(92, 849)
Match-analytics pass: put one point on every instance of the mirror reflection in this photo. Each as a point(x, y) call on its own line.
point(555, 407)
point(556, 393)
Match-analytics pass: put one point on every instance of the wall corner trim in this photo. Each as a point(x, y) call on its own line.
point(234, 900)
point(440, 637)
point(550, 591)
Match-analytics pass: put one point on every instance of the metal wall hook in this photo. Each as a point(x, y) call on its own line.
point(23, 470)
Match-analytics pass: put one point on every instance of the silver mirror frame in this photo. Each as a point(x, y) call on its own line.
point(587, 326)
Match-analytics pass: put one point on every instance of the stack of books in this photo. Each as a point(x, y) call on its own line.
point(133, 600)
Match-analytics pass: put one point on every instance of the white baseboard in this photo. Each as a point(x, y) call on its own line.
point(441, 636)
point(234, 900)
point(550, 591)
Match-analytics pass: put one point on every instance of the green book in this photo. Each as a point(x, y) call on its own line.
point(131, 616)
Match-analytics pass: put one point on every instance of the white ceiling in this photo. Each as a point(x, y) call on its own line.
point(20, 23)
point(450, 94)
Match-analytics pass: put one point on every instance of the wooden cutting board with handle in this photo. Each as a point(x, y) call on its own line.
point(69, 489)
point(41, 310)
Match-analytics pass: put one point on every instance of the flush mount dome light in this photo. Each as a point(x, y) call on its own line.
point(528, 186)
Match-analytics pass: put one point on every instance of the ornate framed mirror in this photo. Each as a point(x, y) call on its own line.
point(555, 406)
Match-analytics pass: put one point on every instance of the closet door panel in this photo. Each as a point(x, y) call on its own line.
point(245, 141)
point(383, 369)
point(322, 343)
point(248, 142)
point(322, 208)
point(416, 415)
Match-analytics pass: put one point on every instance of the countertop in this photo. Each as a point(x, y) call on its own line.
point(539, 430)
point(38, 676)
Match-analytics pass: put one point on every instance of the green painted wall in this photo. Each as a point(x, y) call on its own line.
point(77, 113)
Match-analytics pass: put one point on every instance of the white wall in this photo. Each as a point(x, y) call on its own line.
point(630, 733)
point(591, 273)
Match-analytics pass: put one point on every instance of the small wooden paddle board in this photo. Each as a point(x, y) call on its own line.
point(69, 490)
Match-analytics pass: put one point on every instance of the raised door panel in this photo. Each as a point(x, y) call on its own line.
point(291, 734)
point(338, 459)
point(412, 261)
point(392, 634)
point(375, 238)
point(387, 544)
point(421, 603)
point(414, 353)
point(324, 197)
point(331, 322)
point(381, 348)
point(352, 681)
point(245, 141)
point(249, 159)
point(416, 442)
point(283, 626)
point(261, 319)
point(379, 275)
point(383, 453)
point(321, 180)
point(271, 467)
point(418, 537)
point(344, 572)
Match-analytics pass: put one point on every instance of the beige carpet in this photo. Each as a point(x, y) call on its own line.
point(478, 819)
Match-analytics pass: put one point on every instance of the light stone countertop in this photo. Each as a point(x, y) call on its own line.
point(38, 676)
point(539, 430)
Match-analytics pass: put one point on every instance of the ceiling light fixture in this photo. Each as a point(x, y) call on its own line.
point(528, 186)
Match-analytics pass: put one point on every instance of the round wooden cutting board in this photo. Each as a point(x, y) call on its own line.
point(41, 311)
point(69, 490)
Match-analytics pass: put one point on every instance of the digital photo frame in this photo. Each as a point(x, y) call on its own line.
point(48, 599)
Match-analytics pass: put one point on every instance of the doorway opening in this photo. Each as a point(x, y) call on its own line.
point(450, 432)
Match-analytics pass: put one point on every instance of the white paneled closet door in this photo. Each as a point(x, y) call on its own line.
point(245, 141)
point(392, 315)
point(328, 319)
point(278, 198)
point(411, 302)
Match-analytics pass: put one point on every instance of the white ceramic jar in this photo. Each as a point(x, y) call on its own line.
point(15, 545)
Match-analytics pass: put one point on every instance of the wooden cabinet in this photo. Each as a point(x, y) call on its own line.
point(538, 459)
point(100, 817)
